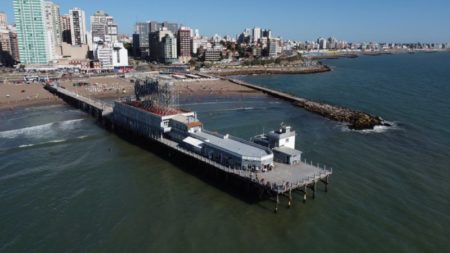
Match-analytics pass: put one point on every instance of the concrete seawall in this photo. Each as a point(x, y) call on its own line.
point(356, 119)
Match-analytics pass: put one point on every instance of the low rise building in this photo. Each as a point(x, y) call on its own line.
point(282, 143)
point(233, 152)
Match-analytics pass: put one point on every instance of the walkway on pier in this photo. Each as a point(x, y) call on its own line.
point(104, 107)
point(274, 93)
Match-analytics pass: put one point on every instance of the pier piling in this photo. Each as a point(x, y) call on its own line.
point(276, 204)
point(290, 199)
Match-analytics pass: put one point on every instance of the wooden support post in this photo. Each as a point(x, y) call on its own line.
point(304, 194)
point(290, 198)
point(314, 190)
point(276, 204)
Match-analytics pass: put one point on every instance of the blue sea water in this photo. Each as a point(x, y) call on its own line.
point(68, 185)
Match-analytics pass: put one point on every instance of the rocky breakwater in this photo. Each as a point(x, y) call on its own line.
point(261, 70)
point(357, 120)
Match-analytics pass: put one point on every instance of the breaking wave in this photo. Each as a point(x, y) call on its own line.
point(375, 130)
point(39, 130)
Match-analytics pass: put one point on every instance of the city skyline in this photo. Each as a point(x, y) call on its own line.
point(352, 21)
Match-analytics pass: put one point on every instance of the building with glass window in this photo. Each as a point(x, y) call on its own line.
point(31, 32)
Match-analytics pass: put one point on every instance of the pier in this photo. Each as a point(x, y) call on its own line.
point(279, 182)
point(96, 108)
point(357, 120)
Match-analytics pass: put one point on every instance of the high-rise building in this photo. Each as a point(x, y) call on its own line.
point(3, 20)
point(142, 29)
point(196, 33)
point(14, 43)
point(173, 27)
point(104, 54)
point(184, 44)
point(332, 43)
point(274, 47)
point(4, 33)
point(8, 42)
point(154, 26)
point(31, 31)
point(112, 30)
point(267, 33)
point(77, 27)
point(322, 43)
point(256, 35)
point(111, 56)
point(136, 45)
point(65, 29)
point(53, 25)
point(5, 43)
point(120, 55)
point(163, 46)
point(103, 28)
point(169, 48)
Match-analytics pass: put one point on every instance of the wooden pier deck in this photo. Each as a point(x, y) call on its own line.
point(94, 107)
point(282, 180)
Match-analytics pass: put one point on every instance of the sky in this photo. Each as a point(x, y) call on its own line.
point(350, 20)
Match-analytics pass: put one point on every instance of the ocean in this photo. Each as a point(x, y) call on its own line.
point(68, 185)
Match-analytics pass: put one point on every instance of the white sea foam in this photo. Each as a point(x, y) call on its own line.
point(39, 130)
point(26, 145)
point(41, 143)
point(57, 141)
point(375, 130)
point(237, 109)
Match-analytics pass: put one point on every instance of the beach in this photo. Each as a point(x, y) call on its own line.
point(23, 95)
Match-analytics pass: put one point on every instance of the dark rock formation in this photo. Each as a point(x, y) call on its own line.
point(356, 120)
point(271, 71)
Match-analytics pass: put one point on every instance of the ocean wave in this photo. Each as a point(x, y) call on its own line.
point(57, 141)
point(26, 145)
point(210, 103)
point(39, 130)
point(237, 109)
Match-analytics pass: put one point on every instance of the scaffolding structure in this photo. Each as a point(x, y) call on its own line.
point(156, 95)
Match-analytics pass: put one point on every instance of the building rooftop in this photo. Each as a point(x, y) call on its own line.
point(190, 121)
point(158, 110)
point(192, 141)
point(282, 133)
point(232, 144)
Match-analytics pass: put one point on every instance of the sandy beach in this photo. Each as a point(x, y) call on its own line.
point(212, 87)
point(24, 95)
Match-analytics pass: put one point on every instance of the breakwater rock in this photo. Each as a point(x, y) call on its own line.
point(270, 70)
point(357, 120)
